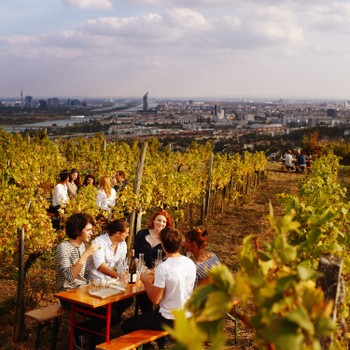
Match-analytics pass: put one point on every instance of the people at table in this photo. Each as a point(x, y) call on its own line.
point(73, 183)
point(112, 250)
point(147, 242)
point(60, 193)
point(195, 243)
point(106, 195)
point(173, 284)
point(72, 254)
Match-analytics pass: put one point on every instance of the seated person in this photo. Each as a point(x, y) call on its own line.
point(288, 161)
point(301, 161)
point(106, 195)
point(89, 180)
point(73, 183)
point(195, 241)
point(112, 250)
point(60, 193)
point(147, 242)
point(71, 259)
point(173, 284)
point(119, 182)
point(72, 255)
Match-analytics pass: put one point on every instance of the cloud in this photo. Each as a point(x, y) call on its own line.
point(194, 47)
point(90, 4)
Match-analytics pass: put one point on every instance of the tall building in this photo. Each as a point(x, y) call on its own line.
point(53, 102)
point(28, 101)
point(145, 102)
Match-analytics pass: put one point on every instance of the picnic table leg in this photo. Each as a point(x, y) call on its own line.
point(71, 327)
point(108, 321)
point(56, 327)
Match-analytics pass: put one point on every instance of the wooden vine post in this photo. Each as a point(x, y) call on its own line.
point(207, 195)
point(19, 317)
point(137, 187)
point(331, 268)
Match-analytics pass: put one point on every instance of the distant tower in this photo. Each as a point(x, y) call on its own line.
point(145, 102)
point(21, 97)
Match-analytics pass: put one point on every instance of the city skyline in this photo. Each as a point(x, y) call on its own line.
point(184, 49)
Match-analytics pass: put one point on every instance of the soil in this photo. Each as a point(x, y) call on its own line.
point(226, 232)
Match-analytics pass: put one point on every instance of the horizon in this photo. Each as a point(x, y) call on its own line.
point(179, 98)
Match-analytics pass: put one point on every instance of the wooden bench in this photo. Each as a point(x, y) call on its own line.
point(133, 340)
point(49, 316)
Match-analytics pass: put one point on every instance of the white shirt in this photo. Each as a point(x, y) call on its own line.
point(288, 160)
point(105, 255)
point(177, 276)
point(60, 195)
point(103, 202)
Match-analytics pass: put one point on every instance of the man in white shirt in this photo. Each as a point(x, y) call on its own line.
point(60, 193)
point(173, 284)
point(112, 250)
point(288, 161)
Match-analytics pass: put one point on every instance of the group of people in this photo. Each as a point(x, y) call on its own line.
point(299, 164)
point(174, 279)
point(69, 184)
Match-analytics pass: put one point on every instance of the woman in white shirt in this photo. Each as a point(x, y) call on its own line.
point(106, 195)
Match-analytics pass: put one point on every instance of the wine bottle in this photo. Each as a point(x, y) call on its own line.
point(132, 267)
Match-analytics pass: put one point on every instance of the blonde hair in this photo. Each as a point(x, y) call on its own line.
point(105, 185)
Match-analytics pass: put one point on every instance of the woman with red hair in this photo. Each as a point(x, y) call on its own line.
point(195, 241)
point(147, 242)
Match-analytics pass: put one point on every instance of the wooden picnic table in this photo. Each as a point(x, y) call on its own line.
point(83, 303)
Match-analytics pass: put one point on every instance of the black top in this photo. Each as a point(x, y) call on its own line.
point(142, 246)
point(121, 187)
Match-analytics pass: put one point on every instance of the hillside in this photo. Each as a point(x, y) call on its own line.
point(226, 232)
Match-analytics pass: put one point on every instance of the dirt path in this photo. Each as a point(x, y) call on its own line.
point(228, 230)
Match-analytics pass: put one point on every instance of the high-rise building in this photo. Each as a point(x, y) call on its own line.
point(145, 102)
point(28, 101)
point(53, 102)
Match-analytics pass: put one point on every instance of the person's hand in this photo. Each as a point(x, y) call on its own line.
point(144, 277)
point(92, 249)
point(147, 276)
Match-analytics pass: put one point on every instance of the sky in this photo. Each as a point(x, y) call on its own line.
point(175, 48)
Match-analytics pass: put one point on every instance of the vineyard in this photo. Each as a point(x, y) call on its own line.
point(275, 278)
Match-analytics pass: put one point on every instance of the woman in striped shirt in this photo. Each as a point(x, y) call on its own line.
point(195, 241)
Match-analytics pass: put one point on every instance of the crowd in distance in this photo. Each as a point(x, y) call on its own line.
point(299, 163)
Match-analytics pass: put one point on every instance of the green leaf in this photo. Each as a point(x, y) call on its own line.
point(198, 298)
point(218, 303)
point(283, 335)
point(186, 333)
point(301, 318)
point(325, 326)
point(306, 273)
